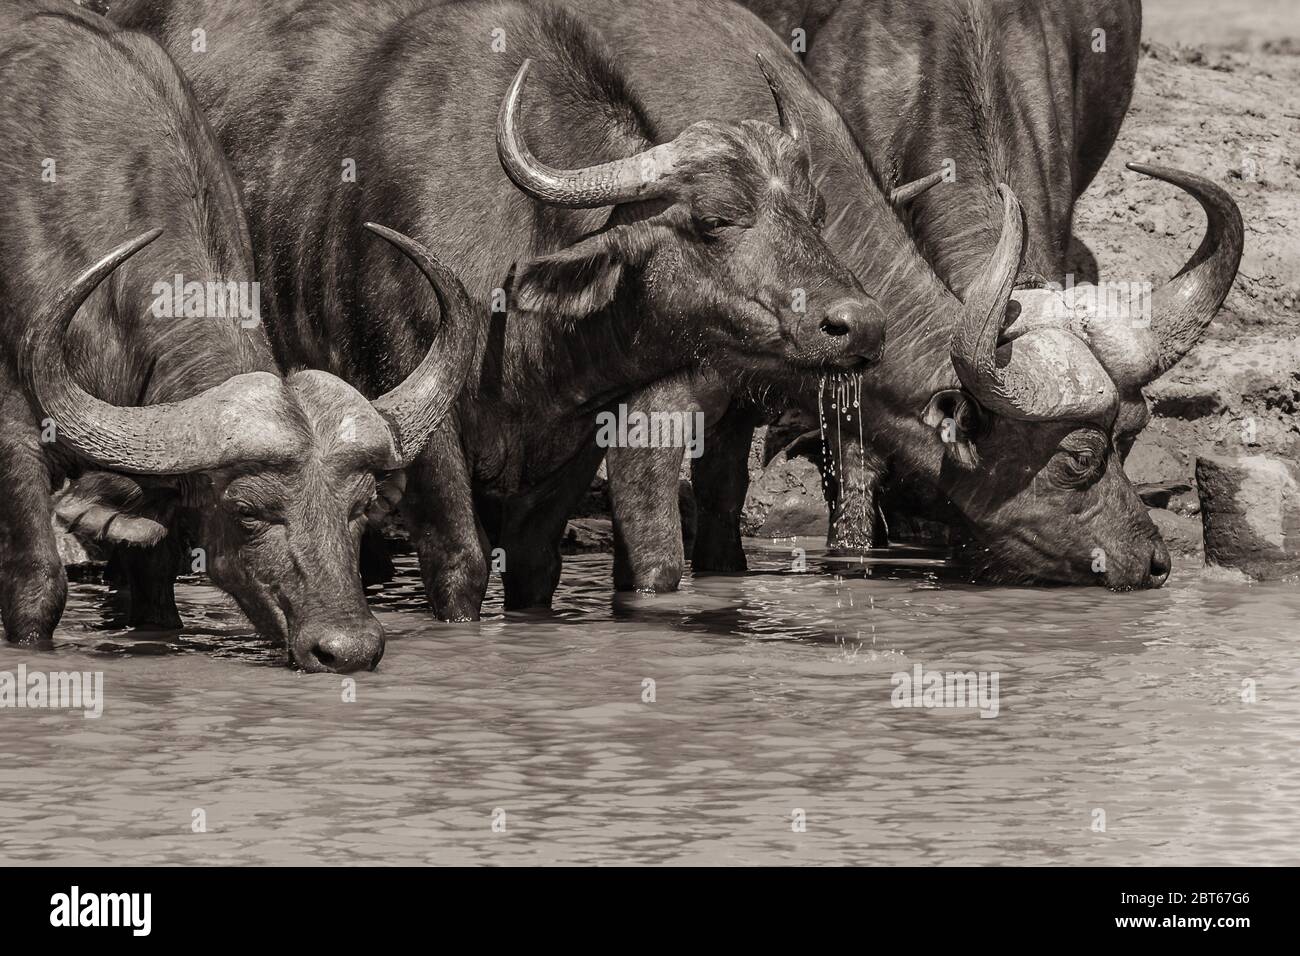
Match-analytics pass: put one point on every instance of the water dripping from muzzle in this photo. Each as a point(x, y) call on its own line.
point(821, 424)
point(846, 404)
point(831, 464)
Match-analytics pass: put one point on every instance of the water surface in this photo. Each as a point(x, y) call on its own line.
point(772, 696)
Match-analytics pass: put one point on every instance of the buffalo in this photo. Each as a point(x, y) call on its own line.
point(607, 256)
point(1002, 405)
point(171, 413)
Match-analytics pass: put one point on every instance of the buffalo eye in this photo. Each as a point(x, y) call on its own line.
point(712, 225)
point(250, 517)
point(252, 513)
point(1082, 462)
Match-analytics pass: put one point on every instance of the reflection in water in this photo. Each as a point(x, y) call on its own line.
point(772, 693)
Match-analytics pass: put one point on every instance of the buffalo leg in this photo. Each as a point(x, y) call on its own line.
point(532, 530)
point(646, 508)
point(147, 579)
point(643, 497)
point(720, 477)
point(33, 584)
point(438, 510)
point(851, 473)
point(853, 507)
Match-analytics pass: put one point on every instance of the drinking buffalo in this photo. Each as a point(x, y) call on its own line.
point(1007, 407)
point(113, 189)
point(610, 255)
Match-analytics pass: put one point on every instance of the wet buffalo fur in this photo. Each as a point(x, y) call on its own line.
point(1013, 93)
point(596, 302)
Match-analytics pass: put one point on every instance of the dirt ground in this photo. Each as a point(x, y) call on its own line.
point(1218, 93)
point(1241, 25)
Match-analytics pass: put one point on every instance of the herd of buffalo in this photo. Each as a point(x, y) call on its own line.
point(473, 225)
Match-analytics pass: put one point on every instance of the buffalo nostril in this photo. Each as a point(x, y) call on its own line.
point(836, 323)
point(859, 324)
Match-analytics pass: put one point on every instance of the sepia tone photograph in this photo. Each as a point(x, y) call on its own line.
point(663, 433)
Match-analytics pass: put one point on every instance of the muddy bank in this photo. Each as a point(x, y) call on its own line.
point(1233, 116)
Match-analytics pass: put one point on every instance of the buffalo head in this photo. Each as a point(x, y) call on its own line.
point(1028, 443)
point(722, 225)
point(282, 473)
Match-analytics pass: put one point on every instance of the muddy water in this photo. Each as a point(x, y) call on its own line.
point(772, 695)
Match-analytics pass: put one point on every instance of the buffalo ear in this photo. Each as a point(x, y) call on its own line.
point(388, 494)
point(104, 506)
point(578, 280)
point(959, 421)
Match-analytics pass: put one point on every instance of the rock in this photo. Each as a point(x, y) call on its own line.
point(583, 535)
point(1229, 373)
point(1183, 535)
point(795, 432)
point(786, 500)
point(1187, 504)
point(1250, 512)
point(1158, 494)
point(1187, 400)
point(1148, 461)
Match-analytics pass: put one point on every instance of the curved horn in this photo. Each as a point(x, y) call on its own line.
point(904, 194)
point(417, 406)
point(1182, 308)
point(1137, 348)
point(226, 424)
point(1045, 374)
point(787, 115)
point(642, 176)
point(976, 336)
